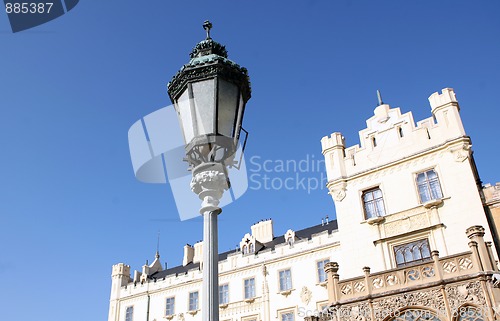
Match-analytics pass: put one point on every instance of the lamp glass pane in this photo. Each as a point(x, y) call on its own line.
point(183, 108)
point(228, 105)
point(204, 99)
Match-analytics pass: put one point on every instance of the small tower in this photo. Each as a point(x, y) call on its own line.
point(445, 110)
point(333, 148)
point(120, 276)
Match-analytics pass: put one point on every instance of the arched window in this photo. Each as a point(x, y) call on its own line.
point(413, 252)
point(245, 249)
point(251, 248)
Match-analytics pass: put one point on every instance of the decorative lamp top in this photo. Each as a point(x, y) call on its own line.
point(208, 46)
point(209, 59)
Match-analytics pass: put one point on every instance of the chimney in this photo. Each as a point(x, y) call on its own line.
point(263, 231)
point(198, 252)
point(188, 255)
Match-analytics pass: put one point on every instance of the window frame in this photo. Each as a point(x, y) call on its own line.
point(428, 186)
point(190, 308)
point(245, 289)
point(221, 286)
point(167, 305)
point(129, 317)
point(373, 202)
point(282, 312)
point(412, 242)
point(288, 288)
point(324, 261)
point(253, 317)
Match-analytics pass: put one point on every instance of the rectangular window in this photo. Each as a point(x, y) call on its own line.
point(321, 270)
point(249, 288)
point(170, 306)
point(129, 314)
point(428, 186)
point(285, 280)
point(287, 316)
point(193, 301)
point(224, 294)
point(373, 203)
point(413, 252)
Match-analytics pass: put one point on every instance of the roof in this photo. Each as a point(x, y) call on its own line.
point(304, 234)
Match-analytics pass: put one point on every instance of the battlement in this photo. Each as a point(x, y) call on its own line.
point(391, 136)
point(335, 140)
point(121, 269)
point(447, 96)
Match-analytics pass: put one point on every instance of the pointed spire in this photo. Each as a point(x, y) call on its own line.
point(158, 246)
point(379, 96)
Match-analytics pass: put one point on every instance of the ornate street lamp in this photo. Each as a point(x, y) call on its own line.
point(209, 94)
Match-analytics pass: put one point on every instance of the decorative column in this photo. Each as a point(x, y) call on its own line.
point(475, 233)
point(331, 269)
point(265, 295)
point(209, 183)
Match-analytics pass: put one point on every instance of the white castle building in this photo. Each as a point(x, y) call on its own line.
point(406, 194)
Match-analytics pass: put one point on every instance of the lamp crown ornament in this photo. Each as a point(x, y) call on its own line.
point(208, 46)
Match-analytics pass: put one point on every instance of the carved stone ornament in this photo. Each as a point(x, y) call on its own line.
point(432, 299)
point(357, 312)
point(470, 292)
point(209, 182)
point(305, 295)
point(338, 194)
point(461, 153)
point(180, 317)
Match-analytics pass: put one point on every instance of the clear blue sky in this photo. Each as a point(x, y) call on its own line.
point(70, 206)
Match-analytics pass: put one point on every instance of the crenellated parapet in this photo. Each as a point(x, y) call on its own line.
point(391, 136)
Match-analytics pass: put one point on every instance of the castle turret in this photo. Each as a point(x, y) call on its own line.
point(445, 110)
point(333, 149)
point(120, 276)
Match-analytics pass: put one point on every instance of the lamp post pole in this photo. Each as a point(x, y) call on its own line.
point(209, 95)
point(209, 183)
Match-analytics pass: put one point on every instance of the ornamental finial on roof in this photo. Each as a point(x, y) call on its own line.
point(157, 255)
point(379, 96)
point(207, 25)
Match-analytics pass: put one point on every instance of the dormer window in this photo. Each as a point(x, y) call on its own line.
point(249, 245)
point(290, 237)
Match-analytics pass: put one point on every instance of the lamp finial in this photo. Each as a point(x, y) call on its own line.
point(207, 25)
